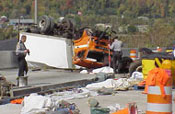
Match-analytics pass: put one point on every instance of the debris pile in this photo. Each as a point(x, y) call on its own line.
point(38, 104)
point(116, 84)
point(5, 87)
point(95, 108)
point(75, 93)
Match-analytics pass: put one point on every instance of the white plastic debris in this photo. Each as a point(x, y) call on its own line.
point(137, 75)
point(104, 70)
point(36, 103)
point(109, 83)
point(120, 84)
point(114, 108)
point(67, 95)
point(84, 72)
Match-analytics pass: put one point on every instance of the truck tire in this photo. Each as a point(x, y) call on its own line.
point(52, 23)
point(44, 24)
point(66, 24)
point(135, 66)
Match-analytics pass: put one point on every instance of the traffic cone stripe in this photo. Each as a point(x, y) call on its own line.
point(149, 112)
point(159, 108)
point(159, 99)
point(133, 54)
point(156, 90)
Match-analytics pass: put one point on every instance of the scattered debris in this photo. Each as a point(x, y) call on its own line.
point(67, 108)
point(37, 104)
point(119, 84)
point(5, 87)
point(130, 109)
point(17, 101)
point(76, 93)
point(137, 75)
point(103, 70)
point(103, 76)
point(114, 108)
point(95, 108)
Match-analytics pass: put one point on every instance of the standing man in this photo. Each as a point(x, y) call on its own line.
point(117, 53)
point(21, 52)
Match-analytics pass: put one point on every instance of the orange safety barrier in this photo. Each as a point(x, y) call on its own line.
point(133, 54)
point(159, 90)
point(17, 101)
point(131, 109)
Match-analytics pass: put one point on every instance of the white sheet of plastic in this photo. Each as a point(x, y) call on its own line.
point(49, 51)
point(104, 70)
point(36, 103)
point(111, 83)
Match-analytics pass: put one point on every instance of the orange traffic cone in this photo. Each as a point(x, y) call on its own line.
point(131, 109)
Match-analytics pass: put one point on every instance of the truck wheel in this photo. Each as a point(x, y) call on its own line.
point(135, 66)
point(44, 24)
point(66, 24)
point(52, 23)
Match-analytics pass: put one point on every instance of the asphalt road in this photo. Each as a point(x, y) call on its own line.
point(44, 77)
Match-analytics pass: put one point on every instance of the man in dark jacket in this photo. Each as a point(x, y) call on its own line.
point(117, 53)
point(21, 52)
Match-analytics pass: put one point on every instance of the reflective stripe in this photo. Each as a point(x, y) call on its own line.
point(159, 107)
point(156, 90)
point(149, 112)
point(159, 99)
point(81, 46)
point(132, 54)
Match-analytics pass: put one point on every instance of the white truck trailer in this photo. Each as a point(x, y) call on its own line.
point(52, 51)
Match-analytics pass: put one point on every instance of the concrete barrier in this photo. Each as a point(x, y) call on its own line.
point(8, 59)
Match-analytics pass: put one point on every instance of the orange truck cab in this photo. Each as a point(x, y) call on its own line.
point(91, 51)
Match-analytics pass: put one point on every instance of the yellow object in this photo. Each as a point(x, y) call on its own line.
point(166, 64)
point(169, 50)
point(173, 71)
point(147, 65)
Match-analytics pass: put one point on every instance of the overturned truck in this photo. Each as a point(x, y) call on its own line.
point(91, 50)
point(90, 45)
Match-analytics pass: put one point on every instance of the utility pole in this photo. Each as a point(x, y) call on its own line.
point(36, 10)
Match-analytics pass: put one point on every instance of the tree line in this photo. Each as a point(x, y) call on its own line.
point(161, 15)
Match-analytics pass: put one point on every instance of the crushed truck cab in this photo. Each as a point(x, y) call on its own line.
point(91, 51)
